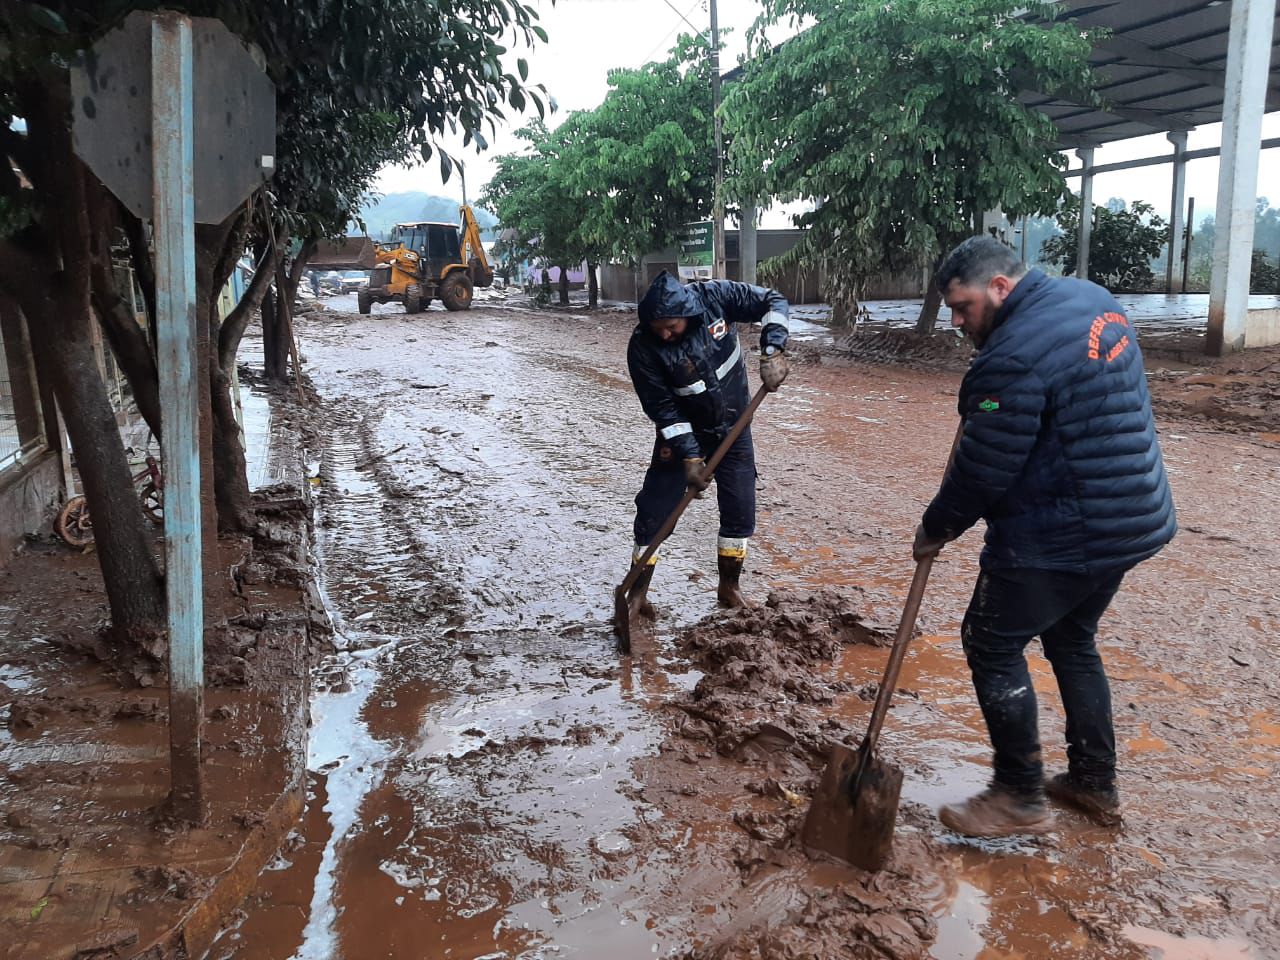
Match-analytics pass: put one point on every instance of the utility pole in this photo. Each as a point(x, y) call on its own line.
point(717, 214)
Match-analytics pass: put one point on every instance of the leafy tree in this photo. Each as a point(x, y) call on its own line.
point(531, 200)
point(642, 163)
point(903, 119)
point(357, 84)
point(621, 179)
point(1264, 273)
point(1122, 244)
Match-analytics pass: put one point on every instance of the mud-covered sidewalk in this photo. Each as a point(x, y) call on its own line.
point(92, 865)
point(488, 778)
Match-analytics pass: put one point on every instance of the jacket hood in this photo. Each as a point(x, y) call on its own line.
point(668, 297)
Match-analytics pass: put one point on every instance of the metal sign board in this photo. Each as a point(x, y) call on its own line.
point(234, 116)
point(695, 245)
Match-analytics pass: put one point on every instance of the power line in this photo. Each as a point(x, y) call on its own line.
point(683, 17)
point(662, 42)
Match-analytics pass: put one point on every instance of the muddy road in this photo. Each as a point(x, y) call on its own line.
point(488, 778)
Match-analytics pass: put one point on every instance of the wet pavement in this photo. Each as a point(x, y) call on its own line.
point(488, 778)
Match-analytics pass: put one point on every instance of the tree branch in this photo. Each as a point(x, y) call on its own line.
point(144, 267)
point(237, 320)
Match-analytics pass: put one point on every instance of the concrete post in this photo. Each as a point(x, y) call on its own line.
point(1179, 140)
point(747, 243)
point(1248, 64)
point(1086, 212)
point(174, 209)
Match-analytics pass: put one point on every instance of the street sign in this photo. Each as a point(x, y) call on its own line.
point(233, 110)
point(694, 255)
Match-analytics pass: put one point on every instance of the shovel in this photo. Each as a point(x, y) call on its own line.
point(621, 596)
point(854, 810)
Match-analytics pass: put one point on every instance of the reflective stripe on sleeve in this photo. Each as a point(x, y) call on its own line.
point(773, 316)
point(676, 430)
point(692, 389)
point(726, 368)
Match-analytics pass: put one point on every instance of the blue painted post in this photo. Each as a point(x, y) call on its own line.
point(174, 224)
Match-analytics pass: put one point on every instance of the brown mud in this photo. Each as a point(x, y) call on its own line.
point(488, 778)
point(93, 863)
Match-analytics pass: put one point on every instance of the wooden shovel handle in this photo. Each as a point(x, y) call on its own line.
point(670, 523)
point(902, 638)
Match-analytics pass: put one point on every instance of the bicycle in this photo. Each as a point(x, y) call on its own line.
point(75, 526)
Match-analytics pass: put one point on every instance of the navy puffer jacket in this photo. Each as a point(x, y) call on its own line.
point(1059, 453)
point(694, 390)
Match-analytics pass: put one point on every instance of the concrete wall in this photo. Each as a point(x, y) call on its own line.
point(30, 495)
point(1262, 328)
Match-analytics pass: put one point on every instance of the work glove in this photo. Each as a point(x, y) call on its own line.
point(774, 368)
point(925, 545)
point(693, 476)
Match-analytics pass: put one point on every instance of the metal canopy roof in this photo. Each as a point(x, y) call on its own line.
point(1162, 68)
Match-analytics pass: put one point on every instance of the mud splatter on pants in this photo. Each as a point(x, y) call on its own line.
point(1009, 609)
point(735, 488)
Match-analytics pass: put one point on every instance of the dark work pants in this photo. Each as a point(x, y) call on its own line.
point(1008, 610)
point(735, 488)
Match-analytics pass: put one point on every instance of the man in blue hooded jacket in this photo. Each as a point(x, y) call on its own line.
point(688, 368)
point(1059, 455)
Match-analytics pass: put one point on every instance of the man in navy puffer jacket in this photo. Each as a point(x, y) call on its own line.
point(688, 369)
point(1059, 455)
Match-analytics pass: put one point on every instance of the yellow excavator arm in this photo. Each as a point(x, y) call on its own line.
point(473, 256)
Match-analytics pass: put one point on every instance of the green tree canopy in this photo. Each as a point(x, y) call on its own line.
point(1123, 242)
point(619, 180)
point(902, 119)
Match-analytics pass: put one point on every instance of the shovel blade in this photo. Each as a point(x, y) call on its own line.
point(854, 825)
point(622, 619)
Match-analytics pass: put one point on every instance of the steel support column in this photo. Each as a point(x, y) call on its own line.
point(1172, 273)
point(1086, 212)
point(1248, 63)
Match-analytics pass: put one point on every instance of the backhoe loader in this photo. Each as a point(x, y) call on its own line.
point(424, 261)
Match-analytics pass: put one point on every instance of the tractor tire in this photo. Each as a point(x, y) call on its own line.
point(364, 301)
point(455, 292)
point(413, 298)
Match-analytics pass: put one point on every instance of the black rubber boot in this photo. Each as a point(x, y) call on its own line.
point(638, 601)
point(728, 593)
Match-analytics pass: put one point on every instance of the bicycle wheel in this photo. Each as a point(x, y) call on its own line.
point(152, 500)
point(74, 524)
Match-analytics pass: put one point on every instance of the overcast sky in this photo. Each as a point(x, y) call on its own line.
point(588, 38)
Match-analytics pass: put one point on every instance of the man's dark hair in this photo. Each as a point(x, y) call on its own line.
point(976, 261)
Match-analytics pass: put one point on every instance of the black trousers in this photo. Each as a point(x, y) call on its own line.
point(1008, 610)
point(664, 486)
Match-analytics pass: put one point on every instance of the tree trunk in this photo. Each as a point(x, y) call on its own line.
point(270, 323)
point(564, 286)
point(47, 271)
point(224, 450)
point(593, 287)
point(275, 348)
point(129, 342)
point(926, 323)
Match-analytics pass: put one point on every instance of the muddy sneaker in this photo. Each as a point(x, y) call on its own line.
point(996, 812)
point(1100, 806)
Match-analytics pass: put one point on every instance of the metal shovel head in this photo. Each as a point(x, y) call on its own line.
point(852, 821)
point(622, 619)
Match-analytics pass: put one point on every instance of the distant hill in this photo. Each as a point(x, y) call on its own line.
point(383, 213)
